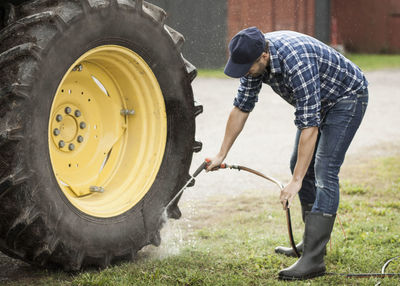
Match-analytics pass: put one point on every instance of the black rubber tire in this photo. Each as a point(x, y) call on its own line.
point(37, 222)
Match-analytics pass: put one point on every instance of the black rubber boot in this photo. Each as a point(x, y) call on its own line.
point(288, 251)
point(316, 236)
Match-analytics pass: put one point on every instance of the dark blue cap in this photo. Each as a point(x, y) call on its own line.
point(245, 48)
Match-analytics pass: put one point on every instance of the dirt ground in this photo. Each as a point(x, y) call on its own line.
point(265, 145)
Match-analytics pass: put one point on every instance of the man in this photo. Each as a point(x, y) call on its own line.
point(330, 97)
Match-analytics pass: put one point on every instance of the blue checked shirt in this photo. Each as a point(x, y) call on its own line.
point(306, 73)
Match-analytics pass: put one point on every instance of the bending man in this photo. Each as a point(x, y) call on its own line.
point(330, 96)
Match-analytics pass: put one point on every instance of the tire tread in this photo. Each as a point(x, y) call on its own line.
point(155, 12)
point(176, 37)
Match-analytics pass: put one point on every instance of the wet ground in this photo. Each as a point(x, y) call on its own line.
point(265, 144)
point(16, 270)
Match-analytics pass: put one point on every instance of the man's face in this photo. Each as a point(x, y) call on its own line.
point(259, 66)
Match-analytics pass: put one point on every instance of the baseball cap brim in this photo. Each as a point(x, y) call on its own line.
point(235, 70)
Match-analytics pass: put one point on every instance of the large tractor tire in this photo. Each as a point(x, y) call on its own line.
point(97, 126)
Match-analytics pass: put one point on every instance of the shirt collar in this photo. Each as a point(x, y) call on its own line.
point(275, 66)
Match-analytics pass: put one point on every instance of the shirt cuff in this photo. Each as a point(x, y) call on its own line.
point(248, 107)
point(311, 121)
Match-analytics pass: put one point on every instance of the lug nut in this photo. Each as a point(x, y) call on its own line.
point(56, 132)
point(59, 117)
point(127, 112)
point(61, 144)
point(67, 110)
point(82, 125)
point(77, 68)
point(96, 189)
point(80, 139)
point(71, 147)
point(77, 113)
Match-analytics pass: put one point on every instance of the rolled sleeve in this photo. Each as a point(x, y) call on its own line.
point(248, 91)
point(305, 83)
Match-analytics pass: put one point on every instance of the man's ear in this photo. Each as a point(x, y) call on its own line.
point(265, 55)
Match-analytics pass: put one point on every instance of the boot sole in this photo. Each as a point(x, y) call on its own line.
point(309, 276)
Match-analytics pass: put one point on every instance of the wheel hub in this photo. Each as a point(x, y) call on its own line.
point(107, 131)
point(69, 128)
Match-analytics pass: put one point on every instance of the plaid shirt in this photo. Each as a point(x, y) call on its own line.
point(306, 73)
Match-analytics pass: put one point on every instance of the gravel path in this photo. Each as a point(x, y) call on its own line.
point(265, 144)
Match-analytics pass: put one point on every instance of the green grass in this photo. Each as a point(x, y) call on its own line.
point(230, 241)
point(367, 62)
point(349, 188)
point(214, 73)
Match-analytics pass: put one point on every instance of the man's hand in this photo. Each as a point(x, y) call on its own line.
point(289, 192)
point(215, 163)
point(308, 138)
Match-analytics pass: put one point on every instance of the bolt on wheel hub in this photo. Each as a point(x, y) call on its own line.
point(66, 126)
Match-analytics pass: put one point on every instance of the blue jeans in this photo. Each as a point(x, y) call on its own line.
point(321, 183)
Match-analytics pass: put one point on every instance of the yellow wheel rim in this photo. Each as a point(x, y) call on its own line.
point(107, 131)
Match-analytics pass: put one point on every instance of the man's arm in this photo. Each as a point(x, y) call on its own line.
point(308, 138)
point(234, 126)
point(244, 103)
point(305, 82)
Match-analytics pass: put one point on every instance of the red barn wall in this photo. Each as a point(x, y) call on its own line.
point(271, 15)
point(369, 26)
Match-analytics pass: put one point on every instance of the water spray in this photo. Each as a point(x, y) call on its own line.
point(164, 216)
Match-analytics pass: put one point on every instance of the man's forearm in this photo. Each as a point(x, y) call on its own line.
point(308, 138)
point(234, 126)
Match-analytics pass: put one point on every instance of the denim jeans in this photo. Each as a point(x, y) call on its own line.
point(321, 183)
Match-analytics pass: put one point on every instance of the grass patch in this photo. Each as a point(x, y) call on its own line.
point(349, 188)
point(231, 241)
point(368, 62)
point(214, 73)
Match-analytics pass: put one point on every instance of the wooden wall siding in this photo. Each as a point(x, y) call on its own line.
point(369, 26)
point(271, 15)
